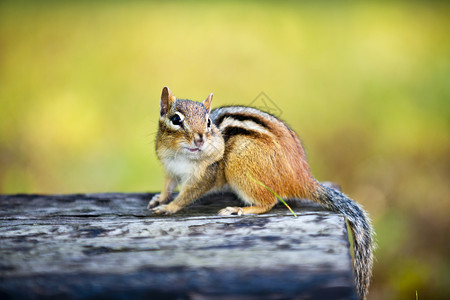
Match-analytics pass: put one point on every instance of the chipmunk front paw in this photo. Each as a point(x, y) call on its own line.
point(155, 201)
point(168, 209)
point(231, 211)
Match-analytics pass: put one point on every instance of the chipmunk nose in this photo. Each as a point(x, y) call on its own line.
point(198, 140)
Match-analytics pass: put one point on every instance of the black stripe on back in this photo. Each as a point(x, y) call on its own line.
point(240, 117)
point(232, 131)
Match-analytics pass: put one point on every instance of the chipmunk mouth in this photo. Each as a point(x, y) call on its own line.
point(193, 149)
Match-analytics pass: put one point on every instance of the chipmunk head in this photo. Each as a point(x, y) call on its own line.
point(185, 128)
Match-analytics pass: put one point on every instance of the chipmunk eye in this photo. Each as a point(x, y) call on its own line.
point(209, 123)
point(176, 120)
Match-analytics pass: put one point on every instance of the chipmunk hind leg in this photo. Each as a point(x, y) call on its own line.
point(259, 198)
point(259, 204)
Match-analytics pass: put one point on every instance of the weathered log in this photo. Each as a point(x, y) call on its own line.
point(109, 246)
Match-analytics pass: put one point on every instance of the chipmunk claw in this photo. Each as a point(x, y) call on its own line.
point(165, 209)
point(228, 211)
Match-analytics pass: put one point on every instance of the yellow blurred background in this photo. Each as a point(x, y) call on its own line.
point(366, 86)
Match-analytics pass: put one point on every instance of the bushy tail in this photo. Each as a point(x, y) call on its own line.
point(362, 231)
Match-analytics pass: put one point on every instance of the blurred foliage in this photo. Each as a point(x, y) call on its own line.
point(366, 85)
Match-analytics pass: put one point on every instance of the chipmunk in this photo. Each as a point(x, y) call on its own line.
point(237, 147)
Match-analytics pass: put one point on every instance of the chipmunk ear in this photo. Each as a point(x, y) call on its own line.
point(207, 102)
point(167, 99)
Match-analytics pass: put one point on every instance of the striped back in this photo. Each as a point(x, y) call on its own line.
point(242, 120)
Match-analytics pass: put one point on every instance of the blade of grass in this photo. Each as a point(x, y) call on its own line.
point(275, 194)
point(350, 239)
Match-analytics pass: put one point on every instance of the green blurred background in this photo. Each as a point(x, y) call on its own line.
point(366, 85)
